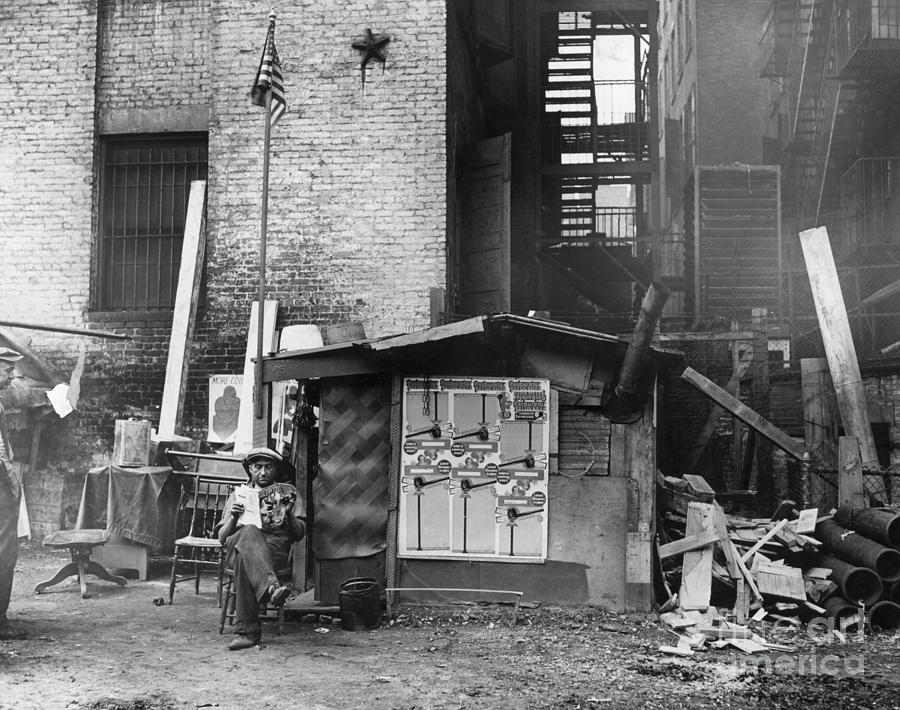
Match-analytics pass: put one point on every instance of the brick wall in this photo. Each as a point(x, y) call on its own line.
point(46, 158)
point(732, 99)
point(154, 55)
point(357, 199)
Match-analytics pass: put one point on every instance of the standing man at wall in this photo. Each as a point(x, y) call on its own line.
point(10, 492)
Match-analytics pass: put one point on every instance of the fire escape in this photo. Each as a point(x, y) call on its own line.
point(596, 162)
point(835, 64)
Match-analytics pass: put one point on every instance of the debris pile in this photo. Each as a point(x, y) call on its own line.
point(720, 571)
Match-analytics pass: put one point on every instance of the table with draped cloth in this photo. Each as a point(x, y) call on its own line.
point(136, 505)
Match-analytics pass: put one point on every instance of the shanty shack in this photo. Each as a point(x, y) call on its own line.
point(491, 453)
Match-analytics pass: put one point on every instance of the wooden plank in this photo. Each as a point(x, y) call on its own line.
point(193, 248)
point(748, 578)
point(781, 581)
point(639, 464)
point(697, 486)
point(806, 522)
point(721, 528)
point(715, 412)
point(743, 412)
point(761, 478)
point(838, 341)
point(882, 293)
point(469, 326)
point(748, 645)
point(252, 432)
point(734, 480)
point(638, 570)
point(821, 423)
point(336, 361)
point(741, 601)
point(696, 569)
point(724, 632)
point(676, 651)
point(851, 489)
point(391, 571)
point(686, 544)
point(693, 337)
point(763, 540)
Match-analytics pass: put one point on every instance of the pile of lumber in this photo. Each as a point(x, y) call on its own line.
point(792, 567)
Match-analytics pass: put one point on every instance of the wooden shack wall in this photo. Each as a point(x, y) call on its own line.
point(600, 535)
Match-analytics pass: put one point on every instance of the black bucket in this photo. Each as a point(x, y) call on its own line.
point(360, 604)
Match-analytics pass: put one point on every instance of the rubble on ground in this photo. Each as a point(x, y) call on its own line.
point(723, 574)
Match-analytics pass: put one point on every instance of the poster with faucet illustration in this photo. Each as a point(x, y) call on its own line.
point(474, 468)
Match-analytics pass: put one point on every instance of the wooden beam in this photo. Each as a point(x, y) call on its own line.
point(838, 340)
point(391, 570)
point(781, 581)
point(712, 418)
point(699, 337)
point(686, 544)
point(193, 248)
point(470, 326)
point(743, 412)
point(748, 578)
point(696, 569)
point(882, 293)
point(821, 424)
point(734, 480)
point(761, 476)
point(253, 431)
point(728, 548)
point(763, 540)
point(639, 444)
point(821, 418)
point(851, 490)
point(338, 362)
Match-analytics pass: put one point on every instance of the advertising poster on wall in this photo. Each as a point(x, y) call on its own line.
point(475, 468)
point(224, 405)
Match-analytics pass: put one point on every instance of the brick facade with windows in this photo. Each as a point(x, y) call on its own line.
point(357, 192)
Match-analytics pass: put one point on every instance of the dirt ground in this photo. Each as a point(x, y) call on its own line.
point(118, 651)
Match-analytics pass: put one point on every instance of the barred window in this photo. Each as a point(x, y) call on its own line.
point(144, 191)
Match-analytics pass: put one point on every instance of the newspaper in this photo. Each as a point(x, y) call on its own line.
point(267, 507)
point(250, 499)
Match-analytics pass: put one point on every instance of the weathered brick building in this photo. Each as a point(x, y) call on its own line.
point(357, 218)
point(460, 177)
point(377, 184)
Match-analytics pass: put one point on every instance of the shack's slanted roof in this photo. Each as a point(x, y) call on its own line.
point(371, 355)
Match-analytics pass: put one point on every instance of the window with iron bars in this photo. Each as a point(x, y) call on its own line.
point(144, 187)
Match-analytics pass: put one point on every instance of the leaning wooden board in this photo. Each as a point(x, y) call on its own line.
point(696, 569)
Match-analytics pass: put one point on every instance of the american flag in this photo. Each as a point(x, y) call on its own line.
point(269, 76)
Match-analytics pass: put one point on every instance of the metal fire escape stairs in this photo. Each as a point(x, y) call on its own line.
point(570, 91)
point(805, 74)
point(838, 126)
point(582, 245)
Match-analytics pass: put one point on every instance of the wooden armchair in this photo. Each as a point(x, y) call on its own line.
point(202, 502)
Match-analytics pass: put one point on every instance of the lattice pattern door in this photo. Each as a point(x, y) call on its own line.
point(350, 492)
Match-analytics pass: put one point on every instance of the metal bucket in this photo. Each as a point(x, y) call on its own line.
point(360, 604)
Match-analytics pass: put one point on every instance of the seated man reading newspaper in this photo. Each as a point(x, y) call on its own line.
point(260, 522)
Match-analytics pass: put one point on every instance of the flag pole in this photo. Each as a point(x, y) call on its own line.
point(264, 213)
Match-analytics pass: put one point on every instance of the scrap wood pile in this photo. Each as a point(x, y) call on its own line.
point(720, 571)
